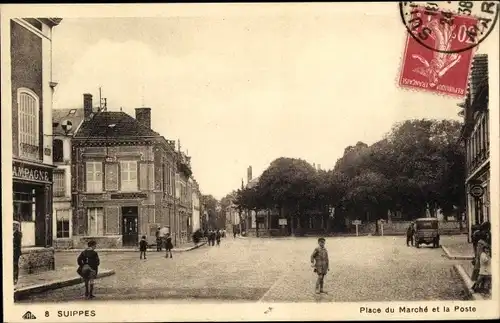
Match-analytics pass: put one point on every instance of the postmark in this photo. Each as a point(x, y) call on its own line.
point(440, 45)
point(423, 20)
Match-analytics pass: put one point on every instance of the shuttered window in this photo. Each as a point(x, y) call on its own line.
point(94, 177)
point(128, 172)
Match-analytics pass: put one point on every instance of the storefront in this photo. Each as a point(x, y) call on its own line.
point(32, 196)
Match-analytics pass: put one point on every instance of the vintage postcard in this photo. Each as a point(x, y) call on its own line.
point(248, 162)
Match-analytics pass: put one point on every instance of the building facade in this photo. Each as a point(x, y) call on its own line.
point(126, 180)
point(183, 198)
point(196, 213)
point(475, 136)
point(65, 122)
point(28, 51)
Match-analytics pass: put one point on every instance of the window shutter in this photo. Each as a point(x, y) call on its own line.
point(151, 176)
point(111, 177)
point(143, 177)
point(112, 220)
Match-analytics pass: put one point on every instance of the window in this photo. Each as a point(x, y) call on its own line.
point(111, 177)
point(95, 217)
point(58, 152)
point(29, 112)
point(128, 176)
point(62, 220)
point(94, 177)
point(59, 183)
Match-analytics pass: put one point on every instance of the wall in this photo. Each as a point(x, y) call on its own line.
point(26, 71)
point(399, 228)
point(35, 260)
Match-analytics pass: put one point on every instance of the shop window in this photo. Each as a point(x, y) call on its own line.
point(58, 152)
point(94, 177)
point(95, 221)
point(128, 172)
point(29, 112)
point(59, 183)
point(111, 177)
point(62, 221)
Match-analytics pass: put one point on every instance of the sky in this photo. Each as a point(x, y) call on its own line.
point(241, 90)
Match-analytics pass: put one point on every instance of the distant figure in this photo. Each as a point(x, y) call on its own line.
point(409, 234)
point(483, 282)
point(320, 263)
point(218, 237)
point(168, 245)
point(143, 247)
point(234, 234)
point(212, 237)
point(18, 237)
point(88, 264)
point(159, 240)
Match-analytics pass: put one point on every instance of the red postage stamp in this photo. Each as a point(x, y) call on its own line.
point(433, 60)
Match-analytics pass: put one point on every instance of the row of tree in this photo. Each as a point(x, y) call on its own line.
point(418, 166)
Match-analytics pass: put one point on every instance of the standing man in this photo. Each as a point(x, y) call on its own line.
point(158, 239)
point(409, 234)
point(18, 237)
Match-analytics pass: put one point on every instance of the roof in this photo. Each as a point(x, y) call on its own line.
point(75, 116)
point(253, 182)
point(113, 124)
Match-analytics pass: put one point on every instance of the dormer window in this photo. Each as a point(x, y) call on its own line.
point(72, 112)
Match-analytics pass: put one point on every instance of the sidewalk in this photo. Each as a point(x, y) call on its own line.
point(457, 248)
point(180, 248)
point(53, 279)
point(65, 275)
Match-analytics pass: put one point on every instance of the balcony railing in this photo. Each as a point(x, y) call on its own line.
point(478, 160)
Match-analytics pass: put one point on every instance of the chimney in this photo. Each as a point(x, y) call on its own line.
point(87, 105)
point(249, 174)
point(143, 116)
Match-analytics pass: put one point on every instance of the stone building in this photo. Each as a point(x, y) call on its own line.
point(65, 122)
point(475, 136)
point(126, 180)
point(28, 66)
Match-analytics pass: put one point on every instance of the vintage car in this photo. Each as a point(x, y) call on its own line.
point(426, 232)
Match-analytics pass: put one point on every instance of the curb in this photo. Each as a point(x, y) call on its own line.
point(449, 255)
point(467, 283)
point(132, 249)
point(56, 284)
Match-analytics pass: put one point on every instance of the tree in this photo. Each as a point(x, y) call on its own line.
point(210, 205)
point(288, 183)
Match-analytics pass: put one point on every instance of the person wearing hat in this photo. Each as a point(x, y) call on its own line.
point(410, 231)
point(320, 263)
point(18, 236)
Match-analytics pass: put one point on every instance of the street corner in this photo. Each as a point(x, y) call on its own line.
point(52, 284)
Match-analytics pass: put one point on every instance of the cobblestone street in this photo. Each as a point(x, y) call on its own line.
point(362, 269)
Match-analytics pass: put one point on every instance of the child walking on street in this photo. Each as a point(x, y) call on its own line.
point(143, 246)
point(320, 263)
point(88, 264)
point(168, 245)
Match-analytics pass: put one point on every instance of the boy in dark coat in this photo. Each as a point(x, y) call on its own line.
point(168, 245)
point(143, 247)
point(88, 264)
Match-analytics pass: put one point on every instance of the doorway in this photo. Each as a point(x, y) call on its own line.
point(130, 227)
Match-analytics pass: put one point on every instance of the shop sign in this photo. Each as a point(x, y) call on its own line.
point(31, 172)
point(128, 196)
point(282, 221)
point(476, 190)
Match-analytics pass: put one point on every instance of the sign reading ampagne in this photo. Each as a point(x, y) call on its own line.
point(31, 172)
